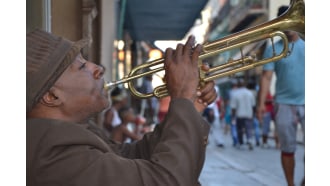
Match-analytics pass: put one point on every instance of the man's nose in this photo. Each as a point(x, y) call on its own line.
point(98, 72)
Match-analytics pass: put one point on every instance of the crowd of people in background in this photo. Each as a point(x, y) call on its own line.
point(237, 117)
point(232, 113)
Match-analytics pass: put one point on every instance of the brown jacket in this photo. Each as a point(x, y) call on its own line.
point(61, 153)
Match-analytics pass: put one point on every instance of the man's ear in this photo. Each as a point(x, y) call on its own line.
point(50, 99)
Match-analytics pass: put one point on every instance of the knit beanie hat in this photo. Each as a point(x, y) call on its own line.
point(47, 56)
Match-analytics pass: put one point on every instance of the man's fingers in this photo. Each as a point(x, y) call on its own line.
point(208, 99)
point(195, 54)
point(205, 67)
point(169, 56)
point(207, 94)
point(209, 86)
point(178, 52)
point(189, 45)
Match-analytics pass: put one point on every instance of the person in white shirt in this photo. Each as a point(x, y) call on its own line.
point(243, 104)
point(216, 130)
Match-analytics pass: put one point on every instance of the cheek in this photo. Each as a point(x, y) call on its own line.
point(90, 104)
point(83, 91)
point(82, 87)
point(101, 98)
point(78, 95)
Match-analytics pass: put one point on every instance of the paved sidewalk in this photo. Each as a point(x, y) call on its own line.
point(230, 166)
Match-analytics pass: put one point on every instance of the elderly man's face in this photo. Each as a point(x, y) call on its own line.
point(81, 88)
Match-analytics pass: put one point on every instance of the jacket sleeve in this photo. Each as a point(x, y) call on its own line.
point(180, 152)
point(172, 155)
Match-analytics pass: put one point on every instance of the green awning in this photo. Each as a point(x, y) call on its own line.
point(151, 20)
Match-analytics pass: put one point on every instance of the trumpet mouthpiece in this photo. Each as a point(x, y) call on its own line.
point(109, 85)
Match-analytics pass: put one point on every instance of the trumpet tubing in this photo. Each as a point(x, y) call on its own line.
point(293, 19)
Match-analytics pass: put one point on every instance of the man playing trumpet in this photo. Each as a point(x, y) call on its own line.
point(64, 90)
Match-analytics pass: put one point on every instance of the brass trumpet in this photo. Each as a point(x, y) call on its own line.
point(293, 19)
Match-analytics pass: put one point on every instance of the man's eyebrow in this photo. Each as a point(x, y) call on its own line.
point(77, 61)
point(80, 59)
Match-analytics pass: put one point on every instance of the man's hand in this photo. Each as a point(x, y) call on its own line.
point(206, 95)
point(181, 69)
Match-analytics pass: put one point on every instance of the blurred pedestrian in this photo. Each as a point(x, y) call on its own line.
point(243, 105)
point(289, 96)
point(122, 133)
point(233, 126)
point(213, 113)
point(229, 125)
point(118, 98)
point(256, 124)
point(149, 106)
point(266, 120)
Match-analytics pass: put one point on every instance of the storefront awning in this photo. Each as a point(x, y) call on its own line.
point(150, 20)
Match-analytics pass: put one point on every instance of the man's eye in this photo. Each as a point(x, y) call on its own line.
point(82, 66)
